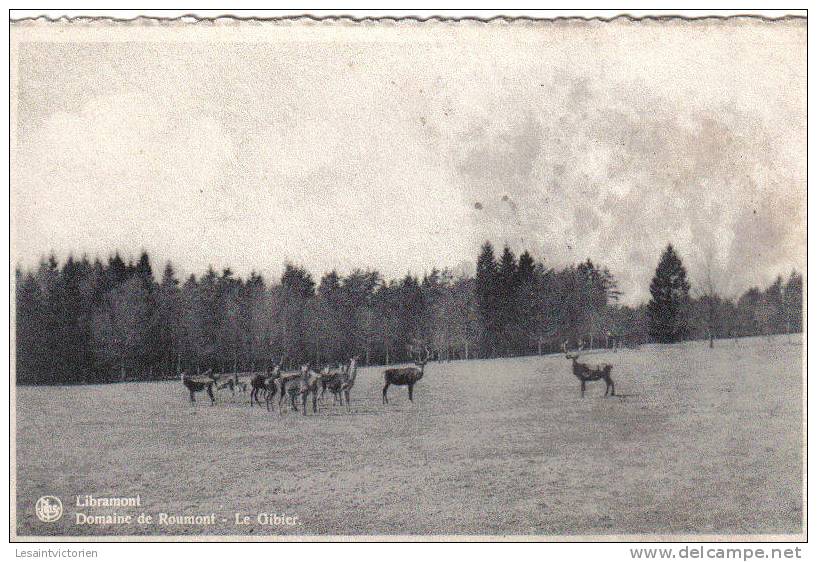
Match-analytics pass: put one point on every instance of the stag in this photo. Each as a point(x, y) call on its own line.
point(198, 383)
point(405, 376)
point(587, 373)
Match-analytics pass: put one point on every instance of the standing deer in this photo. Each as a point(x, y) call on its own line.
point(205, 381)
point(586, 373)
point(260, 383)
point(307, 384)
point(271, 384)
point(349, 381)
point(340, 381)
point(405, 376)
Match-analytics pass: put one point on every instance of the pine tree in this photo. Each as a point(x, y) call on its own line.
point(28, 332)
point(525, 298)
point(295, 291)
point(329, 321)
point(117, 272)
point(254, 339)
point(667, 310)
point(76, 313)
point(168, 314)
point(121, 329)
point(151, 353)
point(485, 292)
point(506, 309)
point(410, 312)
point(793, 302)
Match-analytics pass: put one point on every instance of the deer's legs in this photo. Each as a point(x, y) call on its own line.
point(315, 401)
point(210, 394)
point(385, 397)
point(583, 387)
point(612, 386)
point(192, 396)
point(346, 392)
point(411, 392)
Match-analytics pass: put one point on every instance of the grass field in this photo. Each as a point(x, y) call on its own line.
point(699, 441)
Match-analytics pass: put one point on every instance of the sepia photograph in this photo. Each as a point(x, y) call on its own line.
point(408, 279)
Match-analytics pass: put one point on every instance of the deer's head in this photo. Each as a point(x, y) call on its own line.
point(351, 368)
point(573, 356)
point(421, 363)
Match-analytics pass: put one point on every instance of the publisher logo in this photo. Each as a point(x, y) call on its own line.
point(48, 509)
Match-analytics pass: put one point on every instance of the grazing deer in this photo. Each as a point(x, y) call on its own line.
point(405, 376)
point(288, 384)
point(205, 381)
point(233, 384)
point(586, 373)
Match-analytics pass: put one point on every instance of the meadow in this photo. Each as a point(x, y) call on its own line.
point(697, 441)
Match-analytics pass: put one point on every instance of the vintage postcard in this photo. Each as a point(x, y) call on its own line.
point(392, 279)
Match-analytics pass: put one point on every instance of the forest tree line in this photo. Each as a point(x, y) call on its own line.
point(93, 321)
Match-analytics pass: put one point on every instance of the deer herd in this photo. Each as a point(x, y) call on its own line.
point(306, 384)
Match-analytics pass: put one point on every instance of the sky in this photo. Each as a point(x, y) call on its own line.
point(403, 148)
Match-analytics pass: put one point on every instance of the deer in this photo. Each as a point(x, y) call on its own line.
point(586, 373)
point(270, 386)
point(340, 381)
point(405, 376)
point(331, 379)
point(288, 384)
point(307, 383)
point(260, 383)
point(199, 383)
point(233, 384)
point(349, 381)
